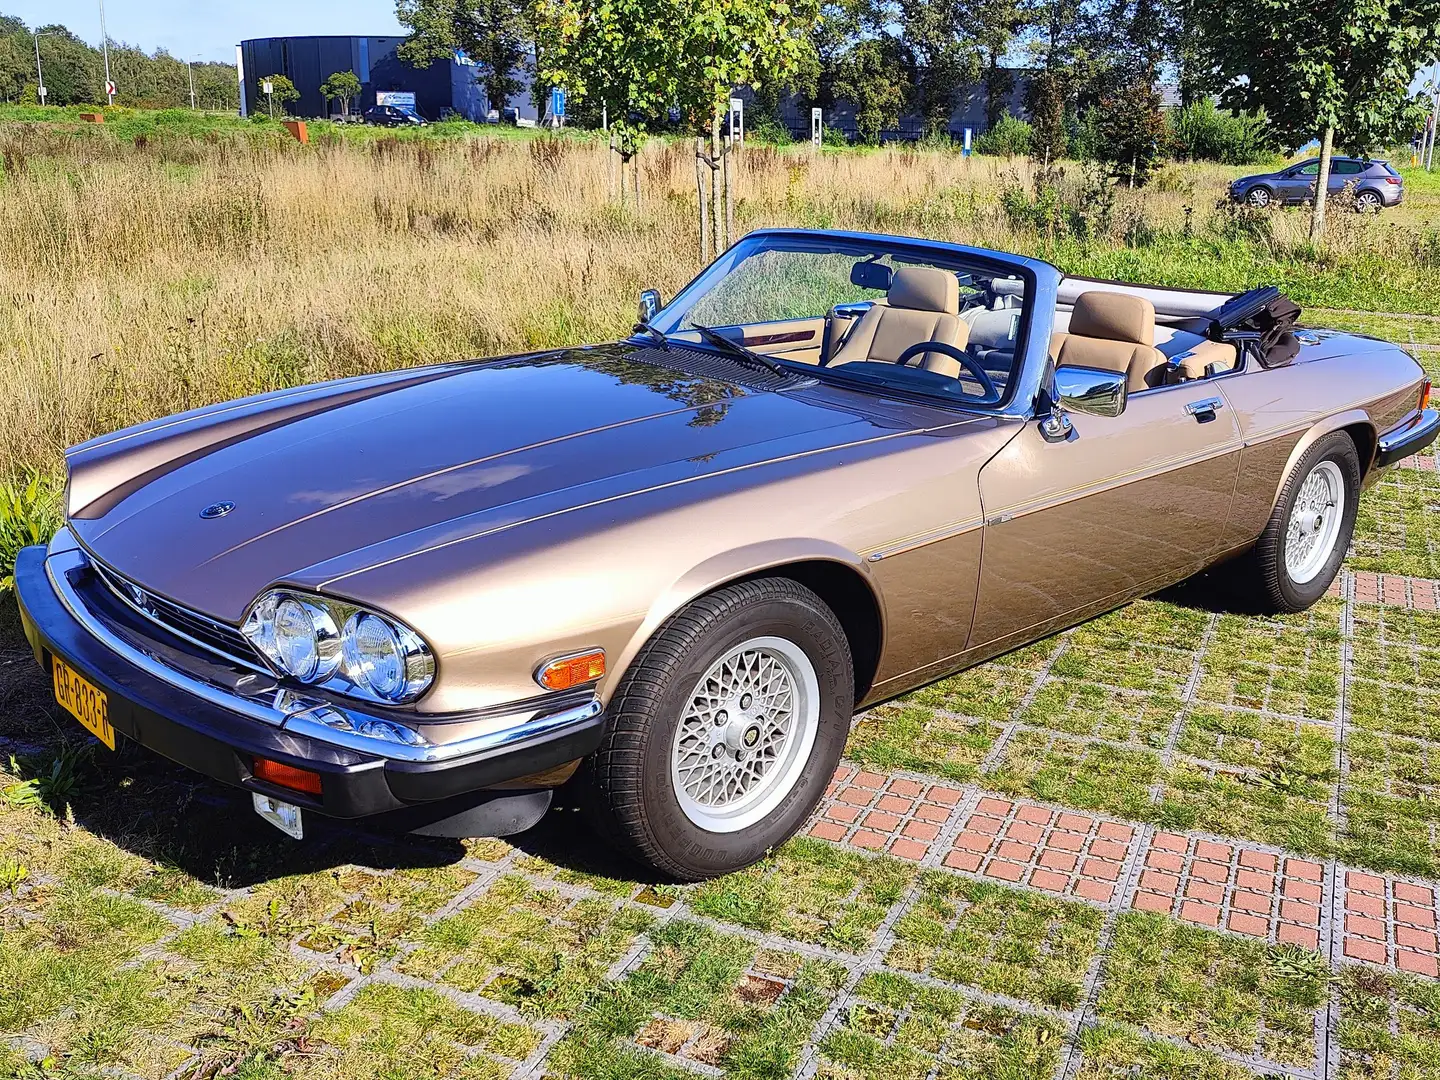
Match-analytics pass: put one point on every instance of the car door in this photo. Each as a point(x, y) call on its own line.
point(1342, 171)
point(1298, 184)
point(1126, 506)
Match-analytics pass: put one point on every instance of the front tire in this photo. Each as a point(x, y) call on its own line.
point(725, 730)
point(1259, 198)
point(1309, 531)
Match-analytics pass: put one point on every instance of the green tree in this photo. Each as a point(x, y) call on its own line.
point(940, 59)
point(282, 90)
point(493, 33)
point(1337, 72)
point(342, 86)
point(994, 25)
point(871, 77)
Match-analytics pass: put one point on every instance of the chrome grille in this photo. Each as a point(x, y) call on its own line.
point(191, 626)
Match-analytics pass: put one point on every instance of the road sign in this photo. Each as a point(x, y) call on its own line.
point(42, 92)
point(267, 87)
point(967, 143)
point(817, 126)
point(557, 105)
point(737, 120)
point(110, 90)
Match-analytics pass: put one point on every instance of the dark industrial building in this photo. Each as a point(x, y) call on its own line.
point(441, 88)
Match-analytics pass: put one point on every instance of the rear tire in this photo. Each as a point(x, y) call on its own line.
point(1309, 531)
point(725, 730)
point(1367, 202)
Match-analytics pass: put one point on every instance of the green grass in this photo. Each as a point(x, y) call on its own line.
point(529, 947)
point(897, 1029)
point(1389, 1025)
point(1104, 712)
point(1021, 944)
point(1087, 775)
point(706, 997)
point(910, 736)
point(1216, 991)
point(809, 891)
point(1112, 1051)
point(1287, 665)
point(1393, 525)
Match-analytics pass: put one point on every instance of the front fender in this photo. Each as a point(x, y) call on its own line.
point(742, 562)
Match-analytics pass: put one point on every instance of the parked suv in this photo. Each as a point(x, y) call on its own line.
point(1377, 184)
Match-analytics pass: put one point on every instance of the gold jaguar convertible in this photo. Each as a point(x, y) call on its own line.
point(834, 468)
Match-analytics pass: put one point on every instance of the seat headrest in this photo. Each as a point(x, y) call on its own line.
point(925, 288)
point(1114, 317)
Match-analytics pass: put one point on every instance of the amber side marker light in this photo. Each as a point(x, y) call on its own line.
point(286, 776)
point(566, 672)
point(1425, 395)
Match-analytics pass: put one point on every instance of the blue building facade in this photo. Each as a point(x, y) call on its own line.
point(440, 88)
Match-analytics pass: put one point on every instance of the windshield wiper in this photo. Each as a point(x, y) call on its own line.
point(654, 335)
point(740, 352)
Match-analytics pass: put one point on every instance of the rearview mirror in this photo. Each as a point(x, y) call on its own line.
point(649, 305)
point(1090, 390)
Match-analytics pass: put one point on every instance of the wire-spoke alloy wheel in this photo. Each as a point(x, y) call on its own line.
point(747, 730)
point(1314, 522)
point(724, 730)
point(1300, 550)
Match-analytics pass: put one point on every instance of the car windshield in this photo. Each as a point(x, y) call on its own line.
point(881, 317)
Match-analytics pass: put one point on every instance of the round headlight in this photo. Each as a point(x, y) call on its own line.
point(298, 636)
point(373, 655)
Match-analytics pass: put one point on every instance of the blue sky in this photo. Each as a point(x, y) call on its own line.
point(207, 29)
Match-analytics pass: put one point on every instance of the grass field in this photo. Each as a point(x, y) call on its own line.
point(152, 926)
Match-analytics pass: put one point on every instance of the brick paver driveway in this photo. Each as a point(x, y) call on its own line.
point(1171, 842)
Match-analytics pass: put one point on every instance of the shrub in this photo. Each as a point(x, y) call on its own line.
point(767, 129)
point(831, 135)
point(29, 514)
point(1009, 136)
point(1202, 132)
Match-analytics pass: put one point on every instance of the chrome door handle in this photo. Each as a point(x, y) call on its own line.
point(1204, 411)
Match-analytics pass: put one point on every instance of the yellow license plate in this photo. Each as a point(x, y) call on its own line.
point(83, 701)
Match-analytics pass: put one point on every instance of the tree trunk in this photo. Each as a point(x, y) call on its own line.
point(1322, 184)
point(610, 170)
point(717, 196)
point(700, 195)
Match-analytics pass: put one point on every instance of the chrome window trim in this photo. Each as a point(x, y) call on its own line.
point(283, 708)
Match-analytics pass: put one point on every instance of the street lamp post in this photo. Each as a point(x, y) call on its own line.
point(105, 48)
point(190, 72)
point(39, 73)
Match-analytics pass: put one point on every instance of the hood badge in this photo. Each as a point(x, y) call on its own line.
point(217, 510)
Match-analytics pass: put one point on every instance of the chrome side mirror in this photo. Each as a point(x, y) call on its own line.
point(649, 305)
point(1090, 390)
point(1081, 389)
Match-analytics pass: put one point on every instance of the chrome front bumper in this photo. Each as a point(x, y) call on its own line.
point(216, 717)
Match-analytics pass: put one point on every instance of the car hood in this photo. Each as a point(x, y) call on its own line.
point(407, 463)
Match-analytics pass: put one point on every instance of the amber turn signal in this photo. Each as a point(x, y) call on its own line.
point(1425, 395)
point(565, 672)
point(286, 776)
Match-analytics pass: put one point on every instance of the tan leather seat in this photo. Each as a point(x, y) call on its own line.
point(1113, 332)
point(1195, 362)
point(923, 304)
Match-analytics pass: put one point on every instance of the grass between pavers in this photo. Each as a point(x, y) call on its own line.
point(1396, 530)
point(1215, 990)
point(703, 996)
point(1402, 329)
point(1116, 1052)
point(809, 891)
point(1021, 944)
point(1289, 664)
point(898, 1029)
point(1389, 1025)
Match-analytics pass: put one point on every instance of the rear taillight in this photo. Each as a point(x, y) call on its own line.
point(1392, 180)
point(1424, 395)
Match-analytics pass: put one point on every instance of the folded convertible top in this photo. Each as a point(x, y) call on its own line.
point(1265, 316)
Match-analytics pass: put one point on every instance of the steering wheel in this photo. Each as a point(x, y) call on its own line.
point(968, 362)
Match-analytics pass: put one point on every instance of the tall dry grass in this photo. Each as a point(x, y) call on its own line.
point(139, 280)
